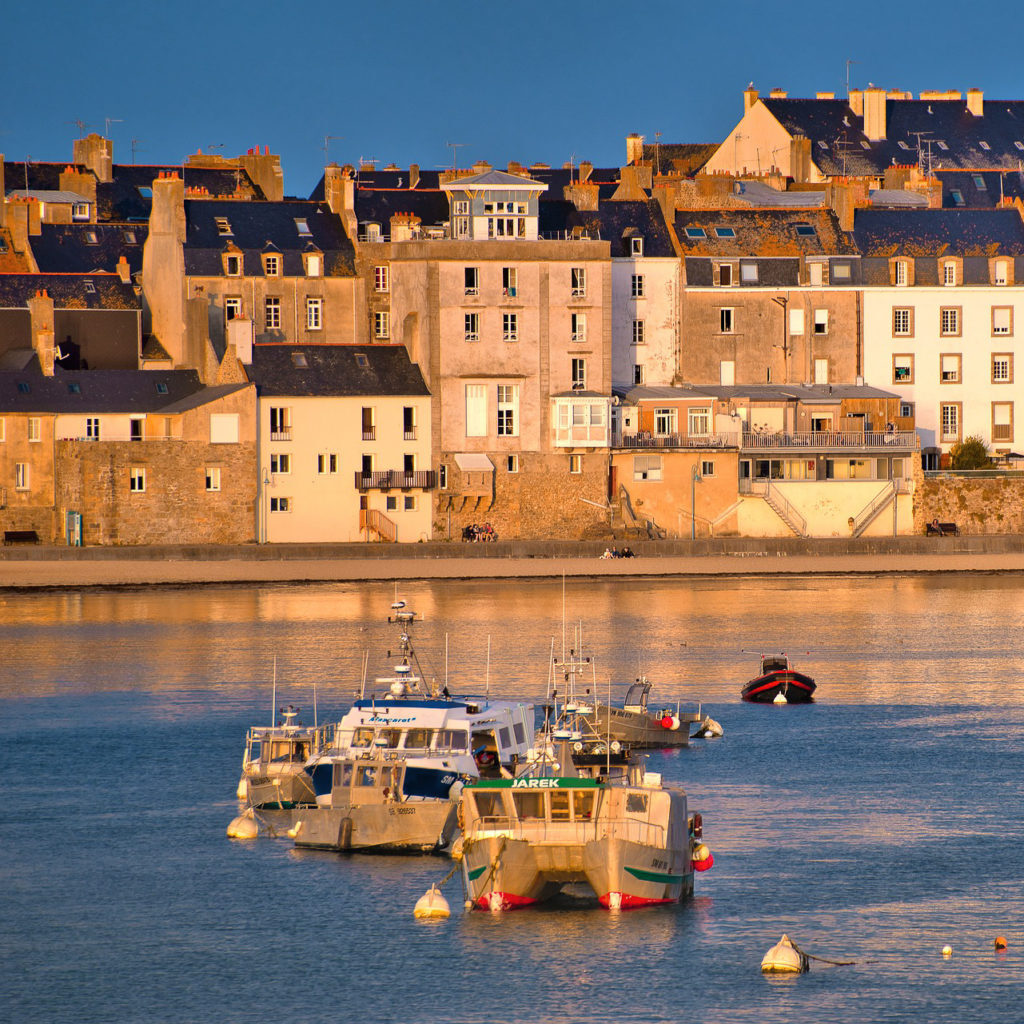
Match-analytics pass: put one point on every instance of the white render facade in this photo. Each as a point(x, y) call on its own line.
point(645, 320)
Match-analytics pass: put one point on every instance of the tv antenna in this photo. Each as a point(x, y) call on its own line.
point(80, 125)
point(454, 147)
point(657, 152)
point(135, 147)
point(848, 63)
point(107, 122)
point(924, 153)
point(328, 139)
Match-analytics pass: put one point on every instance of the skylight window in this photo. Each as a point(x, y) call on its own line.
point(91, 238)
point(129, 237)
point(74, 388)
point(725, 233)
point(24, 387)
point(361, 360)
point(979, 183)
point(161, 387)
point(695, 233)
point(864, 144)
point(145, 191)
point(302, 226)
point(89, 287)
point(822, 143)
point(902, 144)
point(941, 144)
point(807, 230)
point(957, 196)
point(223, 225)
point(984, 145)
point(299, 360)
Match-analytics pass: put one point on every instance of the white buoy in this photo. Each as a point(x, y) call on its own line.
point(244, 826)
point(243, 788)
point(780, 698)
point(947, 951)
point(295, 830)
point(432, 904)
point(784, 958)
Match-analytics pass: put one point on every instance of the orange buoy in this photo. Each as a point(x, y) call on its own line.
point(1000, 942)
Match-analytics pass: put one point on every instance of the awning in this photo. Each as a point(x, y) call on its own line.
point(473, 462)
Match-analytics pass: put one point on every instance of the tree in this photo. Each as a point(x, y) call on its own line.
point(970, 453)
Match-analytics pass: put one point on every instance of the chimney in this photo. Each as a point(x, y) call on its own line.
point(633, 183)
point(97, 154)
point(825, 95)
point(586, 169)
point(842, 198)
point(240, 337)
point(974, 101)
point(481, 167)
point(123, 271)
point(856, 101)
point(265, 171)
point(404, 227)
point(874, 113)
point(777, 94)
point(414, 175)
point(800, 158)
point(749, 97)
point(81, 182)
point(582, 194)
point(40, 310)
point(634, 148)
point(163, 266)
point(340, 195)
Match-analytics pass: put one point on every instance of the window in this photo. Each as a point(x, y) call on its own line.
point(314, 314)
point(476, 410)
point(796, 321)
point(707, 467)
point(272, 265)
point(232, 308)
point(1002, 421)
point(79, 211)
point(508, 410)
point(1002, 368)
point(472, 275)
point(509, 326)
point(409, 502)
point(814, 274)
point(213, 478)
point(637, 286)
point(302, 226)
point(902, 321)
point(636, 246)
point(579, 374)
point(472, 327)
point(646, 467)
point(903, 369)
point(949, 368)
point(1002, 320)
point(639, 376)
point(950, 420)
point(999, 272)
point(727, 372)
point(949, 321)
point(821, 321)
point(979, 182)
point(840, 272)
point(442, 476)
point(409, 423)
point(462, 207)
point(272, 314)
point(664, 421)
point(92, 428)
point(575, 463)
point(509, 281)
point(578, 282)
point(748, 273)
point(280, 423)
point(280, 462)
point(698, 421)
point(137, 479)
point(233, 265)
point(382, 324)
point(280, 504)
point(223, 225)
point(512, 464)
point(725, 233)
point(21, 476)
point(381, 279)
point(900, 275)
point(804, 230)
point(35, 429)
point(327, 462)
point(725, 320)
point(949, 273)
point(695, 233)
point(907, 410)
point(579, 326)
point(314, 264)
point(724, 275)
point(638, 332)
point(368, 423)
point(820, 371)
point(957, 196)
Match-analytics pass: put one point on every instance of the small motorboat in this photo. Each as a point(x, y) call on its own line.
point(779, 683)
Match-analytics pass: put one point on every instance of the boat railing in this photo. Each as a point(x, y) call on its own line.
point(545, 831)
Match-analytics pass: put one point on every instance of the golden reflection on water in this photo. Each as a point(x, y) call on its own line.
point(885, 640)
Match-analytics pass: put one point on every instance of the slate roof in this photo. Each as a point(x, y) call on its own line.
point(757, 193)
point(69, 291)
point(617, 222)
point(106, 391)
point(429, 180)
point(66, 248)
point(915, 233)
point(847, 149)
point(258, 227)
point(762, 232)
point(679, 158)
point(379, 205)
point(979, 188)
point(335, 371)
point(497, 180)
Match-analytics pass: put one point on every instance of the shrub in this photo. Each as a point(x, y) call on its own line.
point(970, 453)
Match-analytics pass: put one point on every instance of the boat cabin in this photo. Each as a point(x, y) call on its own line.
point(636, 696)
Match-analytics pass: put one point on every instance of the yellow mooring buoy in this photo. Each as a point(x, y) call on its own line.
point(784, 958)
point(432, 904)
point(244, 826)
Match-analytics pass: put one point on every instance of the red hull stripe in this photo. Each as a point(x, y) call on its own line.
point(632, 902)
point(503, 900)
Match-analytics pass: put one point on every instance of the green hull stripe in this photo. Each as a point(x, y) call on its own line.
point(476, 873)
point(653, 876)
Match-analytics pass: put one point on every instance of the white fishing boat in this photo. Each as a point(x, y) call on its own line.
point(274, 773)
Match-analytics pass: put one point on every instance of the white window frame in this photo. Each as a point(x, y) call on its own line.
point(280, 463)
point(575, 464)
point(578, 324)
point(510, 282)
point(327, 463)
point(647, 467)
point(314, 264)
point(578, 282)
point(279, 503)
point(636, 246)
point(232, 308)
point(213, 478)
point(948, 274)
point(1002, 416)
point(698, 421)
point(639, 332)
point(272, 264)
point(666, 422)
point(726, 320)
point(1002, 367)
point(472, 327)
point(314, 313)
point(508, 410)
point(821, 321)
point(381, 324)
point(92, 428)
point(35, 429)
point(22, 476)
point(471, 279)
point(137, 479)
point(382, 279)
point(272, 313)
point(509, 326)
point(901, 275)
point(578, 371)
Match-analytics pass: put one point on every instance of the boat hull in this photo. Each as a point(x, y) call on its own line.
point(279, 791)
point(416, 826)
point(792, 687)
point(639, 730)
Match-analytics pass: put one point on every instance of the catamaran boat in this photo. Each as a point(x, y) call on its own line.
point(575, 820)
point(779, 683)
point(274, 773)
point(422, 743)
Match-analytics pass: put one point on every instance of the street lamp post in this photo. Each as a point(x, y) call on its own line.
point(694, 480)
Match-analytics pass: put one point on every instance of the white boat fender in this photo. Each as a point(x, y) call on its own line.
point(701, 859)
point(294, 831)
point(244, 826)
point(432, 905)
point(784, 958)
point(243, 788)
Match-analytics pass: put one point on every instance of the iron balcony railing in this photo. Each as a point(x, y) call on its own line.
point(830, 439)
point(393, 479)
point(646, 439)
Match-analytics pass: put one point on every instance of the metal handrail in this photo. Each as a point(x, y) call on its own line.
point(788, 512)
point(832, 439)
point(867, 514)
point(544, 830)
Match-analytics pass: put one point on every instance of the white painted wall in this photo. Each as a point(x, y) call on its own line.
point(659, 309)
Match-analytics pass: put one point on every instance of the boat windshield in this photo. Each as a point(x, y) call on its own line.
point(489, 804)
point(286, 750)
point(774, 664)
point(529, 804)
point(452, 739)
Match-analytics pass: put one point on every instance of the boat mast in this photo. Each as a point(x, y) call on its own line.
point(273, 699)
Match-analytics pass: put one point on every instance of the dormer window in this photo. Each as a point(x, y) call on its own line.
point(636, 246)
point(314, 264)
point(271, 264)
point(79, 211)
point(223, 225)
point(233, 265)
point(748, 273)
point(89, 287)
point(900, 275)
point(302, 226)
point(949, 273)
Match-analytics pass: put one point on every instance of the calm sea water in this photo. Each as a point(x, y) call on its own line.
point(877, 825)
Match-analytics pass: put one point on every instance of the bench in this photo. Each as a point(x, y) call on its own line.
point(937, 529)
point(21, 537)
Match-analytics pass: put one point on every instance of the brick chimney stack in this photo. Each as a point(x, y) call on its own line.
point(874, 113)
point(634, 148)
point(97, 154)
point(975, 101)
point(40, 310)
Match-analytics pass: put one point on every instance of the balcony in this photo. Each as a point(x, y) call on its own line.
point(645, 439)
point(882, 441)
point(396, 479)
point(281, 435)
point(369, 433)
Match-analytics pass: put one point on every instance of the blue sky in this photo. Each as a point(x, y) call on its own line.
point(397, 81)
